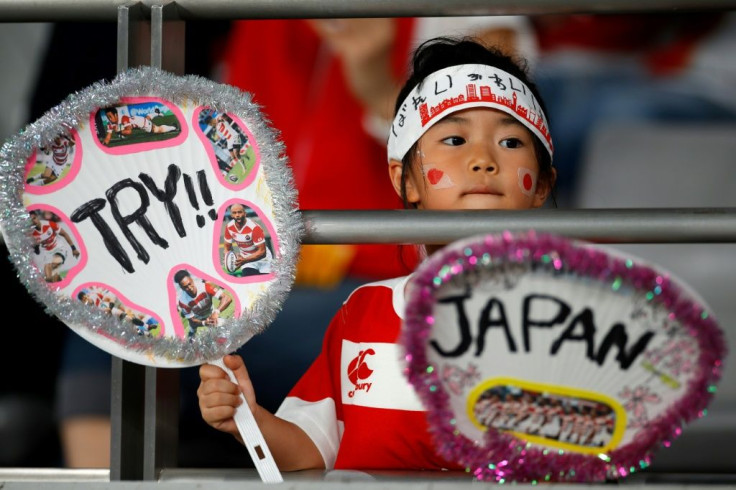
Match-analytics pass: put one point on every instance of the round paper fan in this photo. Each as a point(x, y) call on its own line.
point(541, 359)
point(155, 215)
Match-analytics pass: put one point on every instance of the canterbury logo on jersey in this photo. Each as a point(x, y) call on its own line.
point(358, 371)
point(372, 376)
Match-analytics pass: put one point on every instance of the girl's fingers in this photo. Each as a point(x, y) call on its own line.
point(219, 399)
point(208, 371)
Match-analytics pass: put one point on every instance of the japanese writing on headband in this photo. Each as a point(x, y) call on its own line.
point(463, 87)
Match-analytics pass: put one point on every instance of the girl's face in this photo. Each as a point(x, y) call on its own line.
point(477, 158)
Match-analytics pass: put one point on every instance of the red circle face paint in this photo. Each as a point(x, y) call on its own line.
point(527, 182)
point(434, 176)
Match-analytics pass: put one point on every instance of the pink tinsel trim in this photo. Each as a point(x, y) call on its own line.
point(504, 457)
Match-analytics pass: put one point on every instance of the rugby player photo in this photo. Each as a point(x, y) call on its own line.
point(54, 257)
point(245, 250)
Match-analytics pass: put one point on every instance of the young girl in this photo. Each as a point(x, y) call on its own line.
point(469, 133)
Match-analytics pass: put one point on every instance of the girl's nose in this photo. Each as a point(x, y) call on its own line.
point(488, 167)
point(482, 160)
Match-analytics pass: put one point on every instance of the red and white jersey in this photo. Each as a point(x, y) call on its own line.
point(126, 121)
point(354, 401)
point(246, 238)
point(47, 236)
point(524, 413)
point(226, 131)
point(60, 152)
point(200, 305)
point(101, 298)
point(536, 418)
point(139, 122)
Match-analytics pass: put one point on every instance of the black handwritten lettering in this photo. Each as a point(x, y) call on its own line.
point(585, 319)
point(138, 216)
point(91, 210)
point(417, 101)
point(486, 322)
point(189, 186)
point(499, 83)
point(437, 90)
point(466, 337)
point(167, 195)
point(511, 86)
point(617, 336)
point(528, 322)
point(580, 327)
point(204, 188)
point(129, 194)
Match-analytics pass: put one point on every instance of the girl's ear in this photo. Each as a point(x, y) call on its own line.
point(544, 188)
point(395, 171)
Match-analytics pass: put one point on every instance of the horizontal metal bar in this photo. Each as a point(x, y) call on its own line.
point(53, 475)
point(63, 10)
point(673, 225)
point(100, 10)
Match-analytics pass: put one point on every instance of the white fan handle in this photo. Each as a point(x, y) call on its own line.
point(252, 437)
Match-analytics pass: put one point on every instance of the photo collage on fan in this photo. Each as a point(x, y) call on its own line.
point(244, 243)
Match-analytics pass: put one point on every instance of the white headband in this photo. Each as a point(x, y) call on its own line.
point(461, 87)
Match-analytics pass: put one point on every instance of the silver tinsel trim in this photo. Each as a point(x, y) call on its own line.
point(148, 81)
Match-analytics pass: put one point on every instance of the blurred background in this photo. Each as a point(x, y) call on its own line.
point(642, 108)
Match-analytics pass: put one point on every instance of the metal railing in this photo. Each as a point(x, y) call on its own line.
point(675, 225)
point(88, 10)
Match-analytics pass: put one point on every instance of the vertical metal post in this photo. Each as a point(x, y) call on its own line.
point(161, 402)
point(167, 39)
point(126, 421)
point(145, 401)
point(157, 33)
point(126, 414)
point(161, 421)
point(123, 41)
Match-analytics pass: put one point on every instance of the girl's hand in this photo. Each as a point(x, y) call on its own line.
point(219, 397)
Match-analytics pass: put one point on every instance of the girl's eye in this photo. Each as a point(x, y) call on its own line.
point(512, 143)
point(454, 141)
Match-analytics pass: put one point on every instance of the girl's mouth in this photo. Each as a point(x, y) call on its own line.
point(483, 190)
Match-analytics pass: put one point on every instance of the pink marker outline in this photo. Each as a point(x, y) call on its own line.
point(138, 147)
point(174, 298)
point(80, 244)
point(216, 243)
point(211, 153)
point(59, 183)
point(125, 301)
